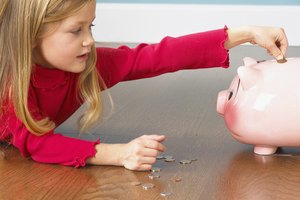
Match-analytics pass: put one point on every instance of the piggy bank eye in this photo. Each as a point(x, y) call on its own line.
point(230, 95)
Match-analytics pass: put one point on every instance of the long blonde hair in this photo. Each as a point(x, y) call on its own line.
point(22, 23)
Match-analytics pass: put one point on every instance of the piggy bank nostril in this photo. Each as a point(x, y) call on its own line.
point(230, 95)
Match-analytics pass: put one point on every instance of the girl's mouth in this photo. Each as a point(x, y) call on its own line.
point(83, 57)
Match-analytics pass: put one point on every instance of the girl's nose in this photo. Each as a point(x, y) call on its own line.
point(89, 41)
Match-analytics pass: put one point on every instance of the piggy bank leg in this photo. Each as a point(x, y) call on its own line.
point(265, 150)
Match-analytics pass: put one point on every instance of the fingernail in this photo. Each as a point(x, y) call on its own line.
point(280, 57)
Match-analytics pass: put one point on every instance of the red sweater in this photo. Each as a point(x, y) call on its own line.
point(52, 92)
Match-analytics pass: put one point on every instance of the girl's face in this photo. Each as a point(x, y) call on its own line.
point(68, 47)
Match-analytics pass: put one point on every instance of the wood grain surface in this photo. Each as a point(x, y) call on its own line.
point(182, 106)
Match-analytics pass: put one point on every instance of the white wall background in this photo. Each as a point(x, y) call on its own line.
point(151, 22)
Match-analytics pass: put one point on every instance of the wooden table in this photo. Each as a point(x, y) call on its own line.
point(181, 106)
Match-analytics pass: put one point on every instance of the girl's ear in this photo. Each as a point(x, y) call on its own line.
point(248, 77)
point(249, 61)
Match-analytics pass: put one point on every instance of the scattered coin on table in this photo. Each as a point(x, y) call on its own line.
point(184, 162)
point(165, 194)
point(160, 157)
point(154, 175)
point(135, 183)
point(168, 157)
point(155, 169)
point(176, 179)
point(148, 186)
point(170, 160)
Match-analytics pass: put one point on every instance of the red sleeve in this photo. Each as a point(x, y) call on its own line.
point(48, 148)
point(200, 50)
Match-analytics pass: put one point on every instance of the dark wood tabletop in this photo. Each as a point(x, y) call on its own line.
point(182, 106)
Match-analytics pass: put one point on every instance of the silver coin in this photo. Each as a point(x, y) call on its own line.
point(165, 194)
point(194, 159)
point(160, 157)
point(155, 169)
point(135, 183)
point(168, 157)
point(148, 186)
point(154, 175)
point(169, 160)
point(176, 179)
point(184, 162)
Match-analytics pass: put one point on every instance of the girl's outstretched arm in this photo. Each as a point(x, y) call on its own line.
point(139, 154)
point(194, 51)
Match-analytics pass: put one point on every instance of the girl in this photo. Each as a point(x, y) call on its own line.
point(49, 66)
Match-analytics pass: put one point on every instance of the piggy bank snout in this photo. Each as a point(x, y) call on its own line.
point(221, 101)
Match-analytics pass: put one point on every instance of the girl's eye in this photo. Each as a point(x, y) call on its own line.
point(76, 31)
point(91, 26)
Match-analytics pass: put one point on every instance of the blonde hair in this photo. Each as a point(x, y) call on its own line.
point(22, 23)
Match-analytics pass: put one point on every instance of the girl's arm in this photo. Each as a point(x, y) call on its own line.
point(194, 51)
point(138, 154)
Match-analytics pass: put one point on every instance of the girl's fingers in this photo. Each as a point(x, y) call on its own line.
point(148, 160)
point(143, 163)
point(152, 144)
point(144, 167)
point(159, 138)
point(147, 152)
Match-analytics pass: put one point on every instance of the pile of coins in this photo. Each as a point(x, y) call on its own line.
point(155, 174)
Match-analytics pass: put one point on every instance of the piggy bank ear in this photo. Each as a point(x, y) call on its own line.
point(248, 77)
point(249, 61)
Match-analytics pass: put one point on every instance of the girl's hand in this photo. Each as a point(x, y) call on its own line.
point(140, 153)
point(270, 38)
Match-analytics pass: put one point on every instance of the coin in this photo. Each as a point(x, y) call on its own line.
point(169, 160)
point(160, 157)
point(168, 157)
point(184, 162)
point(165, 194)
point(176, 179)
point(154, 175)
point(155, 169)
point(135, 183)
point(283, 60)
point(148, 186)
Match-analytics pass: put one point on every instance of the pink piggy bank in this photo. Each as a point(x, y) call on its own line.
point(262, 105)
